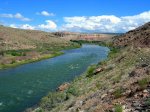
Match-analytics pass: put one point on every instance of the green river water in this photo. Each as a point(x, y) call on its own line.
point(22, 87)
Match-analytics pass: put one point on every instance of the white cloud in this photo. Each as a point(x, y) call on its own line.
point(105, 23)
point(24, 26)
point(13, 26)
point(27, 26)
point(50, 25)
point(16, 16)
point(45, 13)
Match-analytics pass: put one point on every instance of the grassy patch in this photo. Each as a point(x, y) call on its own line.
point(72, 91)
point(90, 71)
point(15, 63)
point(118, 108)
point(52, 100)
point(143, 83)
point(147, 102)
point(118, 93)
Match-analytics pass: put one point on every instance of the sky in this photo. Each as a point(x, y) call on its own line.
point(104, 16)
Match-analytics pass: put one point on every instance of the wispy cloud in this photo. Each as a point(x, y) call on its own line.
point(24, 26)
point(45, 13)
point(49, 25)
point(16, 16)
point(105, 23)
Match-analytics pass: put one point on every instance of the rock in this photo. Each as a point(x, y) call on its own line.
point(123, 107)
point(63, 87)
point(111, 91)
point(98, 70)
point(135, 96)
point(144, 65)
point(128, 92)
point(145, 95)
point(103, 96)
point(132, 74)
point(79, 103)
point(136, 104)
point(145, 91)
point(139, 108)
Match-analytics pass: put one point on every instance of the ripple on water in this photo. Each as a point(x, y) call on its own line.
point(30, 92)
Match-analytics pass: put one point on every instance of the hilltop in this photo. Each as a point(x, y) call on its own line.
point(14, 39)
point(119, 84)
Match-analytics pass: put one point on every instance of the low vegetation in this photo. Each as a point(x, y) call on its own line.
point(118, 108)
point(90, 71)
point(143, 82)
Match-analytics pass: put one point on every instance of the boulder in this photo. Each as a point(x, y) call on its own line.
point(63, 87)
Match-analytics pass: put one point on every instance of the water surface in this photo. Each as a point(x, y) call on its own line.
point(24, 86)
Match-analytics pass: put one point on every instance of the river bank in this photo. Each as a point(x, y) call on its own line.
point(39, 58)
point(17, 57)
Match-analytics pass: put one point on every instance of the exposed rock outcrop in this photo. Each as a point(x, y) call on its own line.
point(138, 37)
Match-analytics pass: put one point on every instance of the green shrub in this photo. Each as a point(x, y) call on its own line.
point(118, 93)
point(90, 71)
point(73, 91)
point(147, 102)
point(15, 54)
point(98, 85)
point(1, 53)
point(118, 108)
point(143, 82)
point(117, 79)
point(52, 100)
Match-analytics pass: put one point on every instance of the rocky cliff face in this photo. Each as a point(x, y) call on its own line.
point(137, 37)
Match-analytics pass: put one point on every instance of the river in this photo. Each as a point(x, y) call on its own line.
point(23, 86)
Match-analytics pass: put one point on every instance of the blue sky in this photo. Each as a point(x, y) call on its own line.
point(75, 15)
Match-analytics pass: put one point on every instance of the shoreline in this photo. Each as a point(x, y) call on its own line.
point(32, 60)
point(43, 57)
point(36, 107)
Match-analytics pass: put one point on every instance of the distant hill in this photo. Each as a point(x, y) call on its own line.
point(14, 39)
point(19, 46)
point(85, 36)
point(137, 37)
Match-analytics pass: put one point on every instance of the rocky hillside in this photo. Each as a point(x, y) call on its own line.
point(138, 37)
point(119, 84)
